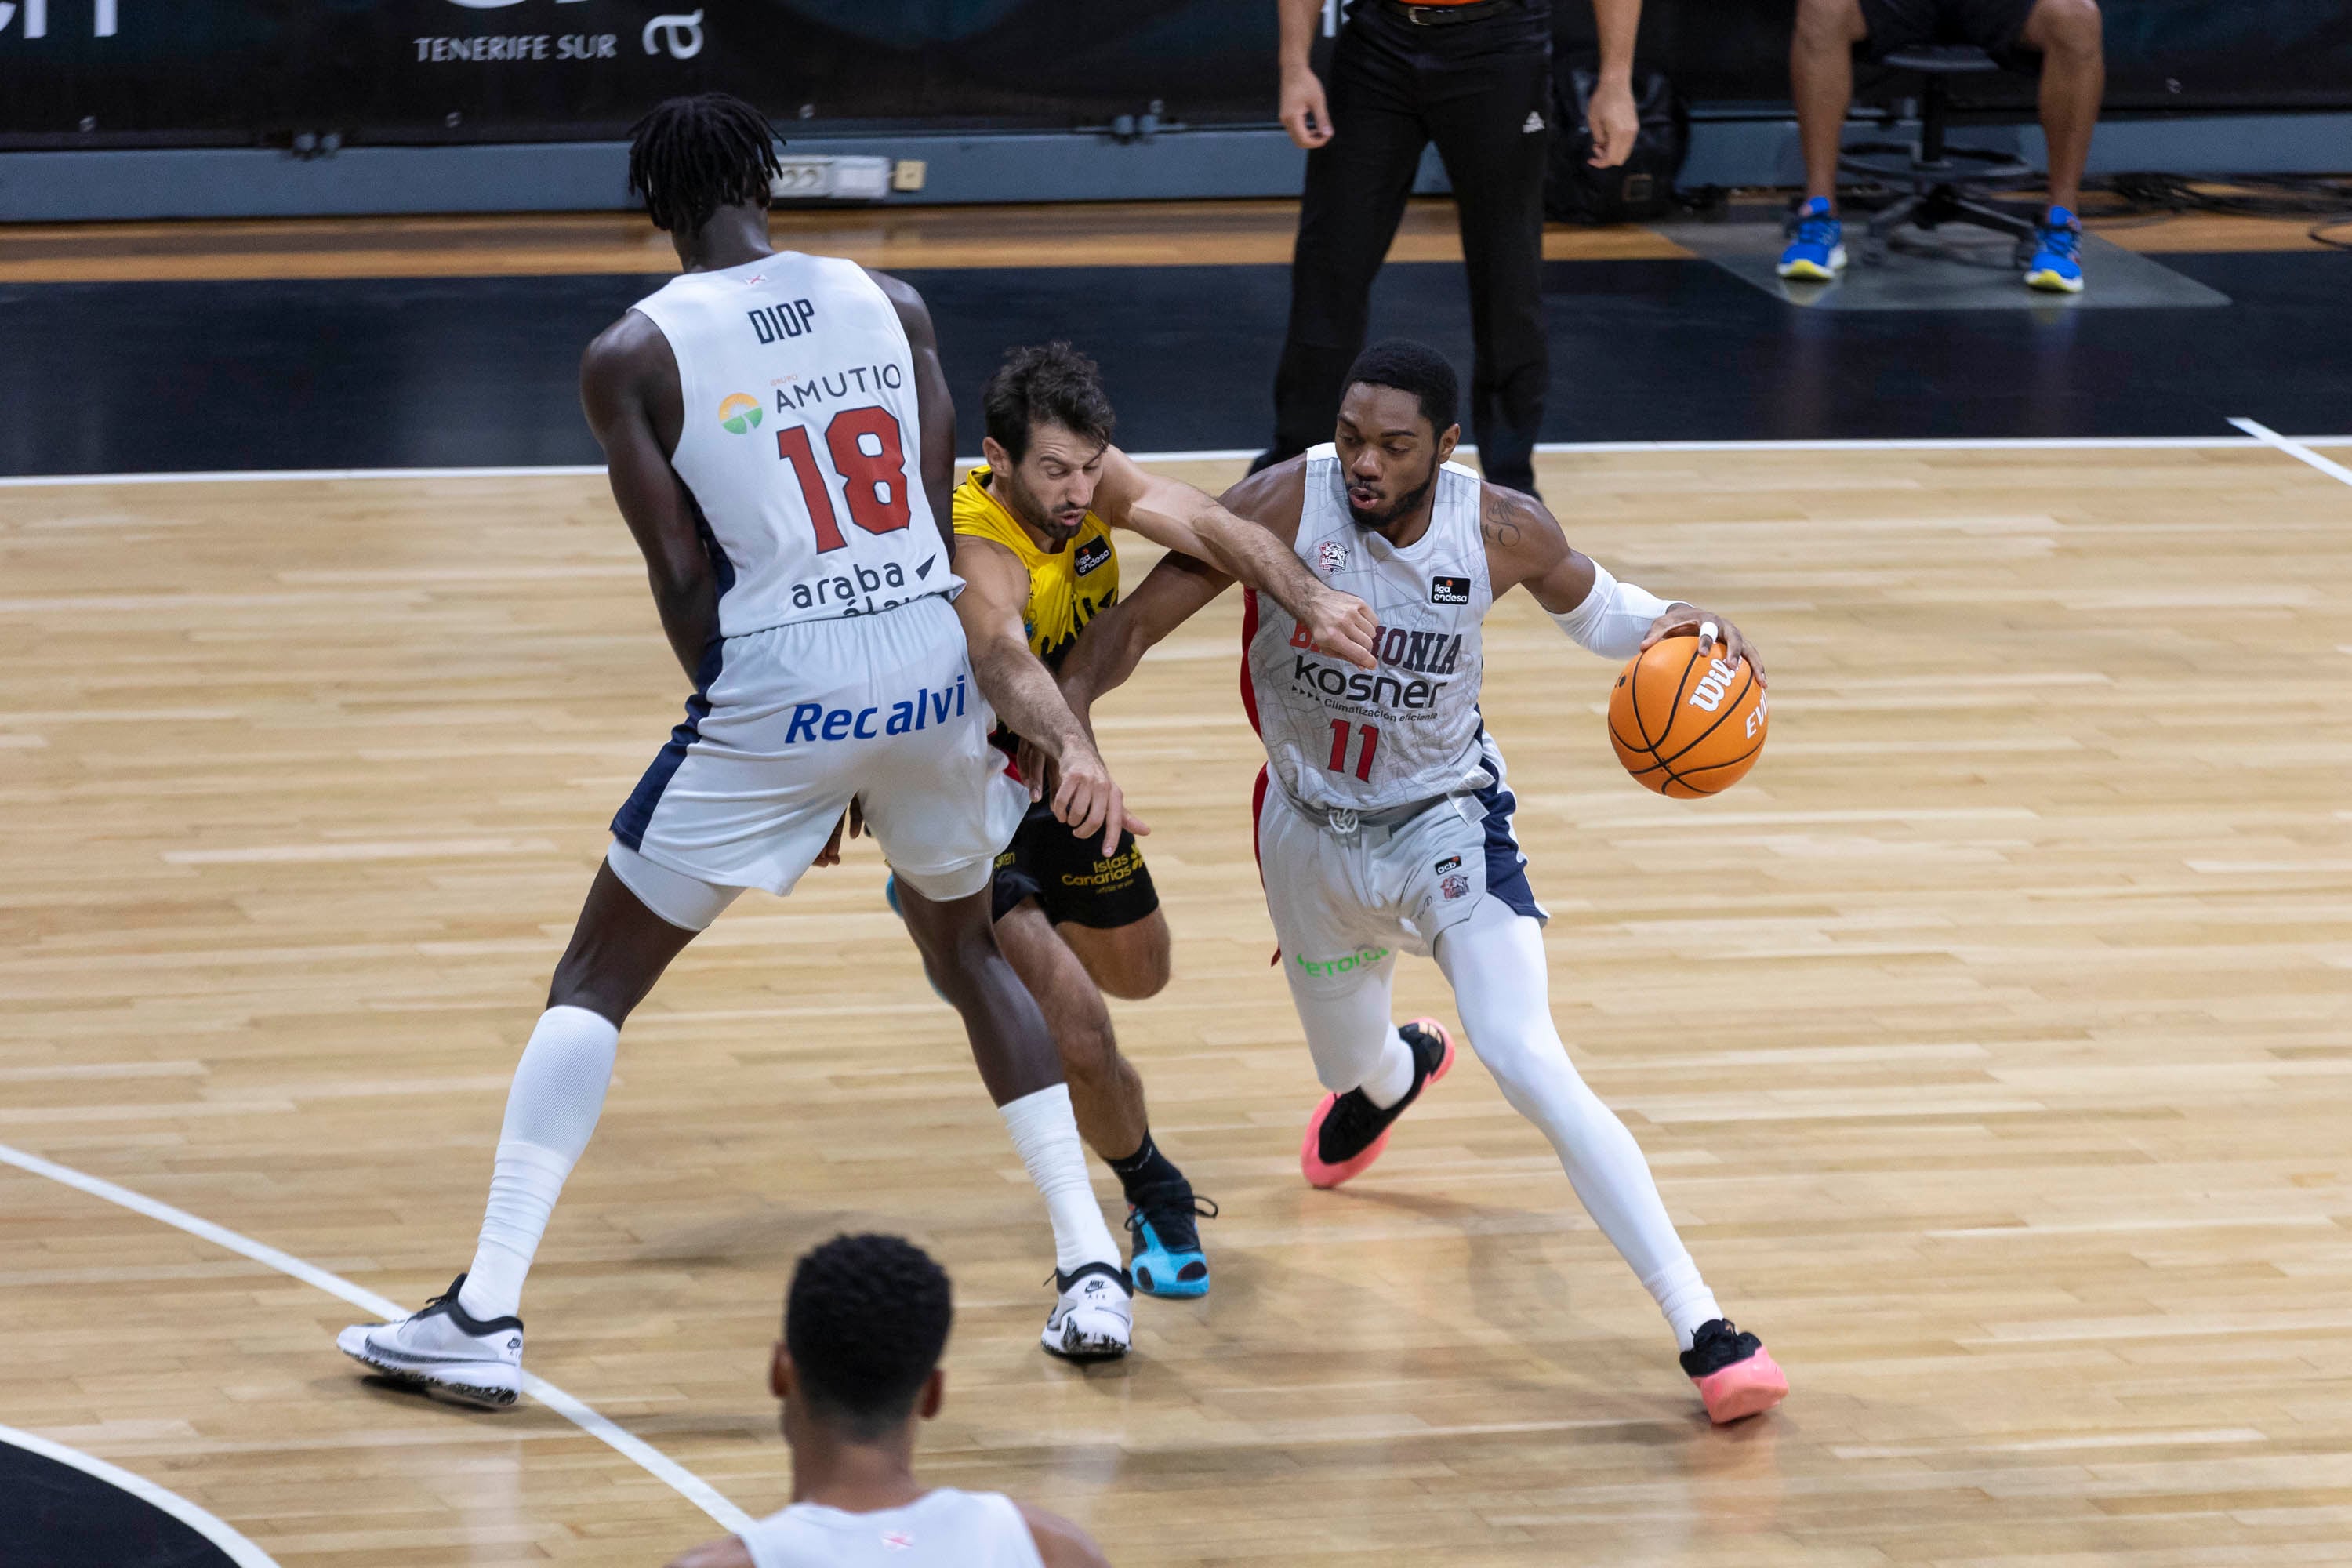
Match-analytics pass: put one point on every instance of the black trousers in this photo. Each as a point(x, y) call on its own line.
point(1394, 88)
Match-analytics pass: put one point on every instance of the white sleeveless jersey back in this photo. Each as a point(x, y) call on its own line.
point(801, 443)
point(1337, 736)
point(942, 1529)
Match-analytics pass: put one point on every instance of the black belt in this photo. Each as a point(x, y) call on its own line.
point(1448, 15)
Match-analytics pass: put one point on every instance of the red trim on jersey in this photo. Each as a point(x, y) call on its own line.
point(1257, 797)
point(1249, 691)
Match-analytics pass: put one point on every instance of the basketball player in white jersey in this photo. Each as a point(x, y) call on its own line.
point(781, 444)
point(1384, 812)
point(858, 1372)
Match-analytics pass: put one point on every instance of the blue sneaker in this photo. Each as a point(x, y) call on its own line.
point(2055, 266)
point(1166, 1257)
point(1816, 252)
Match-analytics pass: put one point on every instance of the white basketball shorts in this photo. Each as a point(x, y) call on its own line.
point(801, 717)
point(1342, 902)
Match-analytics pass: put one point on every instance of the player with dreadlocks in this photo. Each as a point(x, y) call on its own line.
point(781, 444)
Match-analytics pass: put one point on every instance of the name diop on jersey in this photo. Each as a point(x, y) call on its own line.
point(815, 721)
point(1415, 653)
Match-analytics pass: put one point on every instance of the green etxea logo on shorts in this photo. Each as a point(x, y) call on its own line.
point(1362, 958)
point(738, 413)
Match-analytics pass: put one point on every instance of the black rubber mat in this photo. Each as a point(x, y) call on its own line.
point(123, 377)
point(54, 1516)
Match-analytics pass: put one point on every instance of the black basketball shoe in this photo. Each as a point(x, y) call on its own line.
point(1736, 1374)
point(1348, 1131)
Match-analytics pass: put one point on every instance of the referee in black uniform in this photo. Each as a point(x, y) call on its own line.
point(1474, 77)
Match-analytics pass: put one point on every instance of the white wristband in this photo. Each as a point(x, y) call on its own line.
point(1614, 618)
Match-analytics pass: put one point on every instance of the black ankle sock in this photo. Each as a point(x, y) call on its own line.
point(1145, 1169)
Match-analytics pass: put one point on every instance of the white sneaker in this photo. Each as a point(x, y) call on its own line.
point(1095, 1319)
point(446, 1350)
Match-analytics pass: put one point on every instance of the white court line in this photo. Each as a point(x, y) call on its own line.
point(1233, 453)
point(236, 1547)
point(680, 1479)
point(2300, 450)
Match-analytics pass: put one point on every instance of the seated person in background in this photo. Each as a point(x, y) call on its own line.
point(2064, 33)
point(859, 1367)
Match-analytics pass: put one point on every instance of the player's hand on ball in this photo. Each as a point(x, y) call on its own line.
point(1344, 627)
point(1683, 620)
point(1089, 800)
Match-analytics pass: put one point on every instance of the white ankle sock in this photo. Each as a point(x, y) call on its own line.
point(1391, 1079)
point(1683, 1297)
point(551, 1108)
point(1046, 1136)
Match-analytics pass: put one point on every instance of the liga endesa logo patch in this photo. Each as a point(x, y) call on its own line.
point(1449, 590)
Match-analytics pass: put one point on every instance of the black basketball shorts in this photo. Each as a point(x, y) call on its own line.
point(1992, 25)
point(1071, 879)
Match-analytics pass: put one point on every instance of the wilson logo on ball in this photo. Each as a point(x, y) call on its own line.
point(1687, 723)
point(1709, 692)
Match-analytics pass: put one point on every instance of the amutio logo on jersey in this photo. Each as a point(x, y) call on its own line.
point(1416, 654)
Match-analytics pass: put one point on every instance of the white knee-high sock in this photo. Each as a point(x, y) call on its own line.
point(552, 1109)
point(1046, 1135)
point(1495, 962)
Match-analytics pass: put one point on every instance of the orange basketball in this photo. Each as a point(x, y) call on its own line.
point(1686, 724)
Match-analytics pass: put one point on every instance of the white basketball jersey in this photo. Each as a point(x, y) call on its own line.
point(801, 443)
point(1362, 738)
point(942, 1529)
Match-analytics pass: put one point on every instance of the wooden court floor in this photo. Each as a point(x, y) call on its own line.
point(1992, 1044)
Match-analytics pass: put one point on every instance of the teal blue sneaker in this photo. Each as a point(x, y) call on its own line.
point(1816, 252)
point(1166, 1257)
point(2057, 266)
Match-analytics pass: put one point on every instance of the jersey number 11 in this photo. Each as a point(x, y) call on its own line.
point(1338, 762)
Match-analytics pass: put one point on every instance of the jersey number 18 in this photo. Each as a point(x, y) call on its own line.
point(873, 482)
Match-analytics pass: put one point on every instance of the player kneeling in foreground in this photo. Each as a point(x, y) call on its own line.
point(858, 1371)
point(1384, 814)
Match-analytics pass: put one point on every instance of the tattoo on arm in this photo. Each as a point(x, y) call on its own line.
point(1505, 522)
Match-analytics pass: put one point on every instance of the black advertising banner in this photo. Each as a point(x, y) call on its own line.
point(95, 73)
point(116, 72)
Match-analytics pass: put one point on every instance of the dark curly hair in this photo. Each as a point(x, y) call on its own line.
point(693, 155)
point(1046, 384)
point(865, 1320)
point(1416, 368)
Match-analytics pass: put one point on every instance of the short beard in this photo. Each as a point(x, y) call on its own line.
point(1405, 506)
point(1022, 505)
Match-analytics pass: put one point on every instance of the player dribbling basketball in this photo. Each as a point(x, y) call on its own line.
point(1384, 812)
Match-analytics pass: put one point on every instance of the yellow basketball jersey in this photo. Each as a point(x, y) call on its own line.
point(1066, 586)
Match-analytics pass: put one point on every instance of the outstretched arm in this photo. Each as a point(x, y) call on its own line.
point(1023, 692)
point(1178, 589)
point(1114, 642)
point(1171, 512)
point(1614, 619)
point(629, 390)
point(934, 404)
